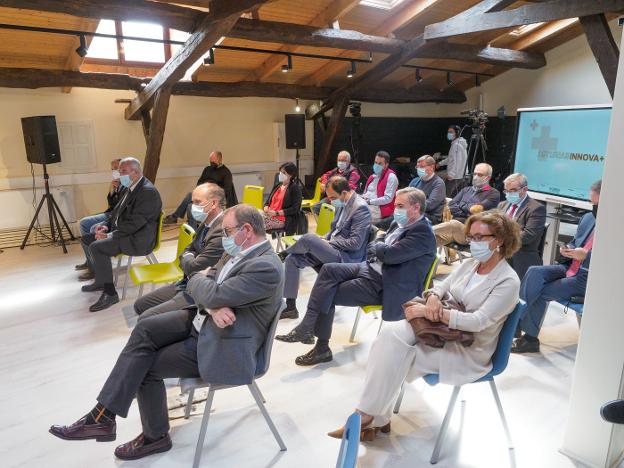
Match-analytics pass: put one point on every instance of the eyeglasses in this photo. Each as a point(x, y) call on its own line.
point(227, 232)
point(478, 237)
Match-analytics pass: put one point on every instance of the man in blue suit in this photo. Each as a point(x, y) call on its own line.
point(344, 243)
point(394, 273)
point(560, 282)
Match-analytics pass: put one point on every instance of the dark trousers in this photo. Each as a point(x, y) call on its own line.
point(181, 211)
point(164, 299)
point(452, 187)
point(542, 284)
point(309, 251)
point(346, 284)
point(159, 347)
point(98, 254)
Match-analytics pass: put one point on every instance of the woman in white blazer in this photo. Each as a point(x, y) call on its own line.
point(476, 297)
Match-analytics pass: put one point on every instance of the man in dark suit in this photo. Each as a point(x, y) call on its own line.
point(217, 173)
point(344, 243)
point(559, 282)
point(530, 216)
point(131, 229)
point(394, 273)
point(205, 251)
point(220, 340)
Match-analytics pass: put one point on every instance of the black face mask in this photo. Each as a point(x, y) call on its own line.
point(595, 210)
point(214, 165)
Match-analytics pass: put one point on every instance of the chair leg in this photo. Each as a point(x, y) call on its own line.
point(355, 325)
point(501, 413)
point(258, 390)
point(152, 258)
point(397, 405)
point(255, 391)
point(380, 325)
point(204, 427)
point(189, 404)
point(117, 270)
point(125, 286)
point(445, 423)
point(141, 289)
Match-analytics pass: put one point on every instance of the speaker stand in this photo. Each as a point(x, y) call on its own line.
point(54, 212)
point(297, 160)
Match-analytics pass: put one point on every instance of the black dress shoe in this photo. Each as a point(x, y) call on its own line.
point(282, 255)
point(104, 302)
point(295, 336)
point(80, 430)
point(170, 219)
point(313, 357)
point(137, 448)
point(82, 266)
point(522, 345)
point(290, 314)
point(92, 287)
point(613, 411)
point(86, 276)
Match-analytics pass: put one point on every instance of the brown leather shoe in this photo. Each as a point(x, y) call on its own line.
point(80, 430)
point(367, 434)
point(136, 448)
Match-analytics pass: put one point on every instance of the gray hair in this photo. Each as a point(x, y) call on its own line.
point(427, 159)
point(133, 162)
point(117, 160)
point(213, 192)
point(596, 186)
point(344, 153)
point(488, 168)
point(414, 197)
point(247, 214)
point(517, 177)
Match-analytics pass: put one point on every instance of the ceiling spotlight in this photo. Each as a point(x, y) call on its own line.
point(297, 108)
point(448, 79)
point(287, 66)
point(82, 50)
point(477, 80)
point(419, 78)
point(209, 59)
point(351, 70)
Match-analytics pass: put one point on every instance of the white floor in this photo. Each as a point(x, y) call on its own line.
point(54, 356)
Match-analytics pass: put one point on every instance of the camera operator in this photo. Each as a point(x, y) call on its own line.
point(456, 161)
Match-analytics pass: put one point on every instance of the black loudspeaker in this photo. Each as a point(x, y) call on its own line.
point(41, 139)
point(295, 131)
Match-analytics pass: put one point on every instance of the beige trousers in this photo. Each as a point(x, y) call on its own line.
point(451, 231)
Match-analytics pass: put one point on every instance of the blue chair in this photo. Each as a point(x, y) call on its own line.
point(347, 457)
point(499, 363)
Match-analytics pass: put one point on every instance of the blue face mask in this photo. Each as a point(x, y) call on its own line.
point(480, 250)
point(513, 197)
point(450, 136)
point(421, 172)
point(342, 165)
point(125, 180)
point(400, 216)
point(230, 246)
point(377, 168)
point(337, 203)
point(197, 211)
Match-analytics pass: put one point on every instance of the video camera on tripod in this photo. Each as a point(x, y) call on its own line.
point(476, 119)
point(478, 147)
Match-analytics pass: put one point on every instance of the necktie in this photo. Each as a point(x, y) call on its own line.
point(512, 212)
point(575, 266)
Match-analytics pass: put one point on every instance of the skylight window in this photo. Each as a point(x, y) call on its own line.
point(383, 4)
point(101, 47)
point(140, 51)
point(522, 30)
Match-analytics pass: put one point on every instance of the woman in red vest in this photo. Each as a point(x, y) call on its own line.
point(381, 188)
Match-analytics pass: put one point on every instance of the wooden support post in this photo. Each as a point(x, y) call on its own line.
point(146, 122)
point(156, 133)
point(603, 46)
point(324, 161)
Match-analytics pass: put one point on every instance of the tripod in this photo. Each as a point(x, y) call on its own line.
point(53, 209)
point(477, 145)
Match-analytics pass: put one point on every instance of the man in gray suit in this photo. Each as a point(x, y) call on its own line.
point(131, 229)
point(208, 201)
point(344, 243)
point(530, 216)
point(220, 340)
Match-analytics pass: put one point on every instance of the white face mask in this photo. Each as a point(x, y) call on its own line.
point(116, 175)
point(282, 177)
point(480, 250)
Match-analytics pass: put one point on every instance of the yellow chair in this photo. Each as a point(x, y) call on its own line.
point(307, 204)
point(168, 272)
point(377, 308)
point(150, 257)
point(254, 195)
point(323, 225)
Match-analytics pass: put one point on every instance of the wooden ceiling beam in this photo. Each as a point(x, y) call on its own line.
point(214, 25)
point(482, 54)
point(527, 14)
point(603, 46)
point(39, 78)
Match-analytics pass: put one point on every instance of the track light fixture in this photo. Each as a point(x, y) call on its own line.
point(297, 108)
point(288, 65)
point(351, 70)
point(82, 50)
point(209, 59)
point(477, 80)
point(449, 81)
point(419, 78)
